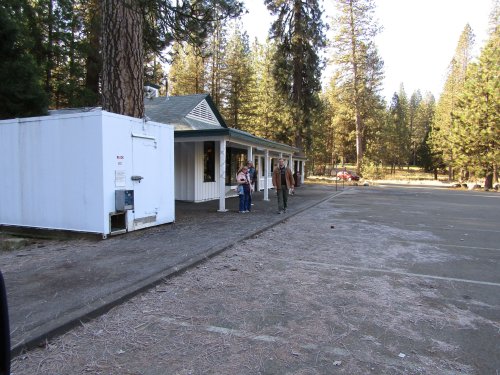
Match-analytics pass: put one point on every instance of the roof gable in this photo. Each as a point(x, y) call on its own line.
point(188, 112)
point(203, 112)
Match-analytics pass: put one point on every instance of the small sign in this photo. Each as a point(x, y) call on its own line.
point(120, 180)
point(120, 160)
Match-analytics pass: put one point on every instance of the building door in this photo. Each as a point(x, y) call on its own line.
point(145, 167)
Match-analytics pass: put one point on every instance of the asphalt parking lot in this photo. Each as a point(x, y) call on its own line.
point(382, 280)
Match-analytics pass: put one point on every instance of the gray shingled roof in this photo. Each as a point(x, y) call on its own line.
point(174, 109)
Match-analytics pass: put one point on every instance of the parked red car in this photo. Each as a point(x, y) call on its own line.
point(347, 175)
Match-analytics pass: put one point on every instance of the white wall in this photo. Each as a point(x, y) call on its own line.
point(154, 195)
point(184, 171)
point(49, 167)
point(189, 173)
point(206, 190)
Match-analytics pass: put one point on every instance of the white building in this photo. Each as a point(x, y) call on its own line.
point(208, 154)
point(89, 171)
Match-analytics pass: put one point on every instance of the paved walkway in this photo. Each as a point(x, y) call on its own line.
point(53, 285)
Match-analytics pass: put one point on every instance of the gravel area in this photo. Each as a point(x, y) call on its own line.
point(320, 293)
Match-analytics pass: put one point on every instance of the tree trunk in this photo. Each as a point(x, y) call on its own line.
point(93, 60)
point(123, 57)
point(298, 68)
point(488, 181)
point(357, 104)
point(359, 138)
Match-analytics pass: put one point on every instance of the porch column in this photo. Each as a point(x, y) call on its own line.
point(266, 178)
point(222, 176)
point(290, 163)
point(250, 154)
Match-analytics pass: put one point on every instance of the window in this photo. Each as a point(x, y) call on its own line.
point(209, 158)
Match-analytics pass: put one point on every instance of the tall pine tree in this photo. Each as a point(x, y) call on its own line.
point(217, 45)
point(21, 94)
point(358, 62)
point(476, 125)
point(187, 74)
point(237, 81)
point(271, 115)
point(442, 135)
point(298, 32)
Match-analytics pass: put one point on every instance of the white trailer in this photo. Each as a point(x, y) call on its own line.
point(91, 171)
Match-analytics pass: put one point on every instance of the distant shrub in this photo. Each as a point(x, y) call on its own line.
point(373, 171)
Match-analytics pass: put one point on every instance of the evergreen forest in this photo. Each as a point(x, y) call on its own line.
point(64, 53)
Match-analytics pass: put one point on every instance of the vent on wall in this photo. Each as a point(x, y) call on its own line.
point(151, 92)
point(203, 112)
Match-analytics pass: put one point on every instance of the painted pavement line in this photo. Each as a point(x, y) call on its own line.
point(452, 228)
point(437, 245)
point(434, 245)
point(442, 188)
point(482, 195)
point(382, 270)
point(427, 227)
point(224, 330)
point(447, 228)
point(469, 247)
point(433, 187)
point(243, 334)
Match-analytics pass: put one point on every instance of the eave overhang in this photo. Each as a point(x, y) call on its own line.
point(234, 135)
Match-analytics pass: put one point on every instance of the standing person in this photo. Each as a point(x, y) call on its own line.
point(252, 172)
point(282, 182)
point(245, 190)
point(249, 178)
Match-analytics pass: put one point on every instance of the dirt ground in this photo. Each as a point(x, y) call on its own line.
point(304, 297)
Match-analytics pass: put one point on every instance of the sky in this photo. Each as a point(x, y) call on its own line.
point(418, 40)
